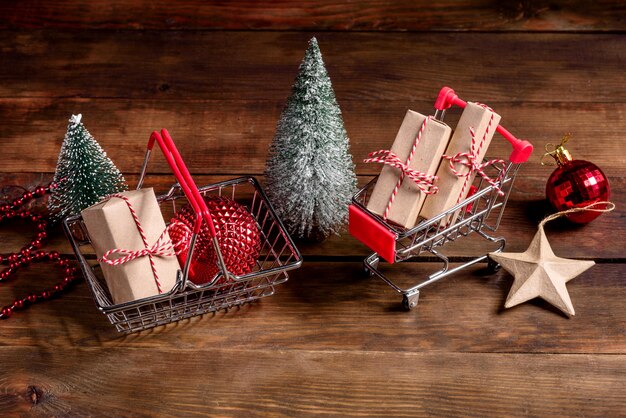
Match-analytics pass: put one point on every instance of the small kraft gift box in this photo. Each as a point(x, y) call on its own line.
point(133, 246)
point(415, 153)
point(462, 160)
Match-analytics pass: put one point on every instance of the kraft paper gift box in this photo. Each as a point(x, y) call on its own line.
point(111, 225)
point(453, 188)
point(409, 198)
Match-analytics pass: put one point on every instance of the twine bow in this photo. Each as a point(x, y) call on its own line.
point(470, 160)
point(163, 246)
point(423, 181)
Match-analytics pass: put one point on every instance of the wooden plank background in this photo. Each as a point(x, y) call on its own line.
point(368, 15)
point(331, 341)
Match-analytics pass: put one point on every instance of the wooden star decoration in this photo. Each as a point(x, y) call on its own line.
point(540, 273)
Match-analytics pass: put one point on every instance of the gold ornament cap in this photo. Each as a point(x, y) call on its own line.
point(560, 154)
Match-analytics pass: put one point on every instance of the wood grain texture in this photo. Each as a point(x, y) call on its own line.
point(262, 65)
point(261, 383)
point(334, 306)
point(369, 15)
point(331, 341)
point(526, 208)
point(233, 137)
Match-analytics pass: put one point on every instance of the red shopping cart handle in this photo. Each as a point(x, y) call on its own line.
point(372, 233)
point(521, 149)
point(176, 163)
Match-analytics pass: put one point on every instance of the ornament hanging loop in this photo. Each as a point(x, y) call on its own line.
point(604, 206)
point(560, 154)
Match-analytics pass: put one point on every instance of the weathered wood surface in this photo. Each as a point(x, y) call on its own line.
point(513, 68)
point(369, 15)
point(526, 207)
point(334, 306)
point(287, 383)
point(232, 137)
point(331, 341)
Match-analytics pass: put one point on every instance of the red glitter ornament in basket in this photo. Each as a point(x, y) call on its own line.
point(237, 234)
point(575, 184)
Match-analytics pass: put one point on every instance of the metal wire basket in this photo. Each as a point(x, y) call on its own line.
point(480, 213)
point(277, 256)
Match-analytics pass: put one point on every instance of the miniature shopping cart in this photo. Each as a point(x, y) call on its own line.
point(278, 253)
point(480, 213)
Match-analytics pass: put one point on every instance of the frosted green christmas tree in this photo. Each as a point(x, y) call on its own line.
point(84, 173)
point(309, 171)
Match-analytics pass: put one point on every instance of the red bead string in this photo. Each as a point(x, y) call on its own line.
point(28, 255)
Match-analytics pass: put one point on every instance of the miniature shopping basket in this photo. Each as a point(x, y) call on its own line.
point(480, 213)
point(278, 253)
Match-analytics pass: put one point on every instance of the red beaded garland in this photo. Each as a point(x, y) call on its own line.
point(28, 255)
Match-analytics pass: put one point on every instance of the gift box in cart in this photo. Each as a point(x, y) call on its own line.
point(275, 253)
point(480, 212)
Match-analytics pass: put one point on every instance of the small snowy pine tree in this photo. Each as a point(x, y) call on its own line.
point(84, 173)
point(309, 171)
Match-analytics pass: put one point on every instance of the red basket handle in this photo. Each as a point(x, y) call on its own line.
point(176, 163)
point(521, 149)
point(201, 211)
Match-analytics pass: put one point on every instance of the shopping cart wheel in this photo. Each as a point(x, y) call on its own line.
point(410, 301)
point(492, 266)
point(368, 266)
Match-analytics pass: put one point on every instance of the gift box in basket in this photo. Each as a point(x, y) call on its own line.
point(435, 187)
point(232, 247)
point(415, 154)
point(463, 161)
point(121, 229)
point(429, 169)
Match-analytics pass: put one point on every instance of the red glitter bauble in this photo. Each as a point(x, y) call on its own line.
point(237, 234)
point(576, 183)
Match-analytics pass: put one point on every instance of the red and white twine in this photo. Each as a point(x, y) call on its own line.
point(423, 181)
point(471, 161)
point(163, 247)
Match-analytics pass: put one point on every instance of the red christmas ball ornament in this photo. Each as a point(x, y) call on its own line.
point(237, 234)
point(575, 183)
